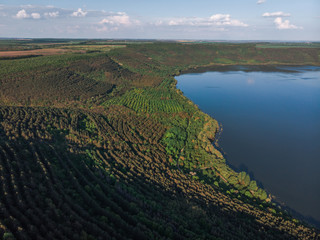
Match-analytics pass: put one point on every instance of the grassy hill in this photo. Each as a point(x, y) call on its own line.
point(99, 144)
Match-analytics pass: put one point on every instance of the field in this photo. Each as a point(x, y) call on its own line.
point(97, 143)
point(48, 49)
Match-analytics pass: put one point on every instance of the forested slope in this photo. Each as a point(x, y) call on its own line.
point(102, 145)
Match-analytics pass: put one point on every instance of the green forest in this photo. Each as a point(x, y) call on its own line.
point(98, 143)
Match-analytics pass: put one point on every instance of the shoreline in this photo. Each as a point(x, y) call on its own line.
point(309, 220)
point(265, 67)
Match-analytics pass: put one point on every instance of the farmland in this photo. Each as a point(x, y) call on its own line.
point(96, 142)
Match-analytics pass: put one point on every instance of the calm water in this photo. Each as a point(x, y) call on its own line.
point(271, 127)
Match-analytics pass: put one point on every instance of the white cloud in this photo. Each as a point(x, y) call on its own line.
point(224, 19)
point(276, 14)
point(22, 14)
point(261, 1)
point(52, 14)
point(120, 19)
point(280, 24)
point(35, 15)
point(219, 17)
point(79, 13)
point(214, 20)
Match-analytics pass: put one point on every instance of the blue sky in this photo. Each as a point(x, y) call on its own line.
point(166, 19)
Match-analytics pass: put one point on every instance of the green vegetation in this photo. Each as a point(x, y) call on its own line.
point(289, 45)
point(152, 100)
point(101, 145)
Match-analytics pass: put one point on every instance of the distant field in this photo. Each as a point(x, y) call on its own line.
point(58, 51)
point(289, 45)
point(102, 48)
point(36, 52)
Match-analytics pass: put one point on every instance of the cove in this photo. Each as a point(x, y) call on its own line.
point(271, 126)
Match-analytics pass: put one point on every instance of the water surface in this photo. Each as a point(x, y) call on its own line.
point(271, 127)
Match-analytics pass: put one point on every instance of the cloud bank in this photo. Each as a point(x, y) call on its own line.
point(214, 20)
point(276, 14)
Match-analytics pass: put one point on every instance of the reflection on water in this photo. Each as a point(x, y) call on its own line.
point(271, 126)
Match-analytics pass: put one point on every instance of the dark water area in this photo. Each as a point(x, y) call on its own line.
point(271, 127)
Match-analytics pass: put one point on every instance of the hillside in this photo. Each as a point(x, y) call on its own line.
point(99, 144)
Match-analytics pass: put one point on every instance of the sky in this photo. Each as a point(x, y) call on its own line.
point(284, 20)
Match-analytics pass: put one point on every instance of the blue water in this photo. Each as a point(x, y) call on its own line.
point(271, 127)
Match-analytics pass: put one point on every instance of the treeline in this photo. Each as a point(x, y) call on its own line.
point(176, 56)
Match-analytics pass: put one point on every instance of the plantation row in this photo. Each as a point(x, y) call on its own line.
point(83, 175)
point(151, 101)
point(63, 80)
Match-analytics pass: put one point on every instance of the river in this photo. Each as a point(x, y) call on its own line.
point(271, 126)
